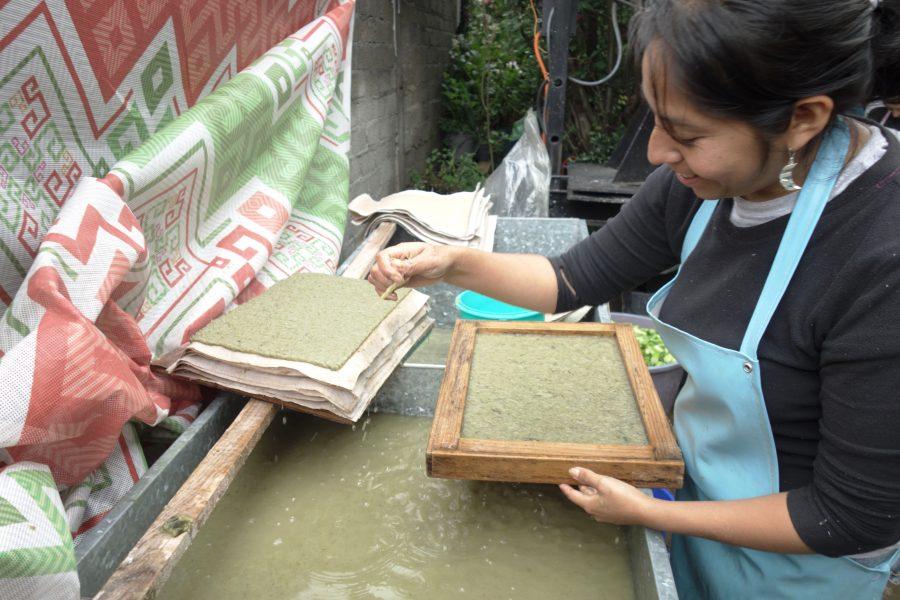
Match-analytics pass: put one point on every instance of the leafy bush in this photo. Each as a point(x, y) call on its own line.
point(445, 174)
point(492, 77)
point(596, 116)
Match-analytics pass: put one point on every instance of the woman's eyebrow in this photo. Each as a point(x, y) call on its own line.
point(683, 124)
point(674, 122)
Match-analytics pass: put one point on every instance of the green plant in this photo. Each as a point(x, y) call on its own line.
point(601, 143)
point(491, 80)
point(652, 347)
point(596, 116)
point(445, 173)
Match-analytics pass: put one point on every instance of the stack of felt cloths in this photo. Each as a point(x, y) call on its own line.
point(316, 343)
point(459, 219)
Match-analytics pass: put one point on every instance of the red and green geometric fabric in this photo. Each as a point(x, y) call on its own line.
point(160, 162)
point(37, 558)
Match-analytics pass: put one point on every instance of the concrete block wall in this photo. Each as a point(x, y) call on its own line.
point(396, 91)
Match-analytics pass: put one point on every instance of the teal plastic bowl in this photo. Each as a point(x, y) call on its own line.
point(472, 305)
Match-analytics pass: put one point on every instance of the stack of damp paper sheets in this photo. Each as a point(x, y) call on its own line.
point(459, 219)
point(315, 343)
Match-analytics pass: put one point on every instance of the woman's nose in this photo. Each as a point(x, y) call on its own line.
point(661, 148)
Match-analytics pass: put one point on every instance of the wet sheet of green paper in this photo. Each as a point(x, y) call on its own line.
point(309, 317)
point(327, 511)
point(551, 388)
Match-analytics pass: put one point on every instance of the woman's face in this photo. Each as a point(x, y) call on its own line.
point(716, 158)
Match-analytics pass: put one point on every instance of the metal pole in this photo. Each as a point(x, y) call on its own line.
point(558, 28)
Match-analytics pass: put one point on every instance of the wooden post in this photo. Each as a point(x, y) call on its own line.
point(149, 564)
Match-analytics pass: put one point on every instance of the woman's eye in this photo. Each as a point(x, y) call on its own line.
point(688, 141)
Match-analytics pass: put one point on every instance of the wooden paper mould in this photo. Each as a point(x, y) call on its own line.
point(656, 464)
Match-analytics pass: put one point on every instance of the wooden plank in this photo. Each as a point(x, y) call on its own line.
point(455, 385)
point(362, 263)
point(457, 464)
point(149, 564)
point(656, 424)
point(545, 328)
point(152, 559)
point(557, 449)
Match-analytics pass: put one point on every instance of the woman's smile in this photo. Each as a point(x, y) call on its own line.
point(688, 180)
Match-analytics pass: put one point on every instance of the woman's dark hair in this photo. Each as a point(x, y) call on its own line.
point(751, 60)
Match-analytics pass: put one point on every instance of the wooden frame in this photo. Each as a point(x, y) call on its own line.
point(656, 464)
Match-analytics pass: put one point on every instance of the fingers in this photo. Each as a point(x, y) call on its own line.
point(406, 249)
point(574, 495)
point(385, 268)
point(587, 477)
point(378, 279)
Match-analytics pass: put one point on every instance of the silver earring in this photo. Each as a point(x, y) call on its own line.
point(786, 178)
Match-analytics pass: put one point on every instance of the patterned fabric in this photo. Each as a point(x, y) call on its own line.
point(159, 163)
point(88, 502)
point(37, 558)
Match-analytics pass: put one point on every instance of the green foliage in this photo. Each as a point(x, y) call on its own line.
point(652, 347)
point(596, 117)
point(492, 77)
point(446, 174)
point(604, 136)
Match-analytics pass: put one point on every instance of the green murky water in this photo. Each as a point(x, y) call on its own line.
point(328, 511)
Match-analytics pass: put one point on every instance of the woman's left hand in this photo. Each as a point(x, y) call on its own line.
point(606, 499)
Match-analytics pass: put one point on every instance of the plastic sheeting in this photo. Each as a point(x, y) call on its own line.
point(520, 186)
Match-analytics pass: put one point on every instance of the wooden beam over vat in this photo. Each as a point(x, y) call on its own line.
point(148, 566)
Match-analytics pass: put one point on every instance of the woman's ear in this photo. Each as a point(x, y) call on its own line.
point(811, 116)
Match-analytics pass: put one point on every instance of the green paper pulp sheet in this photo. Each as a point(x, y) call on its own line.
point(309, 317)
point(551, 388)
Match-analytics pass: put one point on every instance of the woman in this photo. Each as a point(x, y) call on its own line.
point(786, 308)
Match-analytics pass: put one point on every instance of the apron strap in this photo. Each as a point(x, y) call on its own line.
point(697, 227)
point(810, 205)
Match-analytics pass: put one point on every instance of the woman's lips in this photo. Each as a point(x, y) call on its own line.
point(692, 180)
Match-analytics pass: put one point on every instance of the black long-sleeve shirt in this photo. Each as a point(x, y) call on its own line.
point(830, 358)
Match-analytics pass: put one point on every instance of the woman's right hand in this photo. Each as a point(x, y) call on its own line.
point(413, 264)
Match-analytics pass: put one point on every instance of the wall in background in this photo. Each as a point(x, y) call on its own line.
point(400, 50)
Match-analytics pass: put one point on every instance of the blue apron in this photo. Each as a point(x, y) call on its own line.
point(724, 432)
